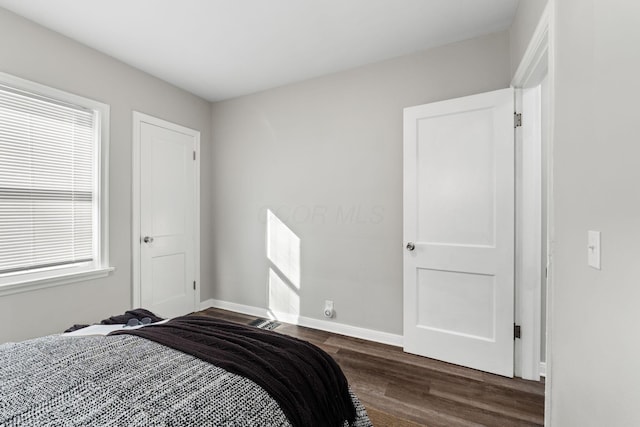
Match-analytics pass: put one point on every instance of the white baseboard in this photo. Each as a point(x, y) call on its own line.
point(323, 325)
point(543, 369)
point(232, 306)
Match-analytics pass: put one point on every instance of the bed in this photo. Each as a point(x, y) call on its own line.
point(189, 371)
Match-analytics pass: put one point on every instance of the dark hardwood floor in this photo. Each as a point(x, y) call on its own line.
point(403, 390)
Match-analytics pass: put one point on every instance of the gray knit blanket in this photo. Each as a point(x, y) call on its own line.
point(127, 381)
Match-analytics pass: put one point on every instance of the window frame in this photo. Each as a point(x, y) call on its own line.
point(22, 281)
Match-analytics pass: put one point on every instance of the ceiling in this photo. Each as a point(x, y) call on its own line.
point(220, 49)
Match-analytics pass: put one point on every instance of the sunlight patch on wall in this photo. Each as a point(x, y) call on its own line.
point(283, 299)
point(283, 251)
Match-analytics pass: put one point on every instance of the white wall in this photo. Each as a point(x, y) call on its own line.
point(595, 316)
point(326, 156)
point(32, 52)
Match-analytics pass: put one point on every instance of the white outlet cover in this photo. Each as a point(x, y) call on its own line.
point(328, 308)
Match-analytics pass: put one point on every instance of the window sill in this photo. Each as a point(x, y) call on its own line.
point(48, 282)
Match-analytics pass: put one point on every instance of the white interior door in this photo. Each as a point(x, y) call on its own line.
point(167, 217)
point(459, 231)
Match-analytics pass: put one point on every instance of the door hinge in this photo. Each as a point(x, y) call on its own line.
point(517, 120)
point(516, 331)
point(194, 155)
point(194, 285)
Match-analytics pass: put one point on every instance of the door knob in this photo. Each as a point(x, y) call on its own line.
point(147, 239)
point(411, 246)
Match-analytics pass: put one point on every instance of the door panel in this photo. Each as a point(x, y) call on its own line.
point(167, 217)
point(166, 272)
point(170, 159)
point(459, 214)
point(455, 178)
point(456, 303)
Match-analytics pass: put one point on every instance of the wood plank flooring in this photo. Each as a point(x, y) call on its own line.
point(404, 390)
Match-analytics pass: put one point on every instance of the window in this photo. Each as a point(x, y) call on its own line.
point(53, 152)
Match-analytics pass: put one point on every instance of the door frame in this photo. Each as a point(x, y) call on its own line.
point(537, 62)
point(138, 119)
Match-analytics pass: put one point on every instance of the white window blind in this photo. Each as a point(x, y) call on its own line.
point(47, 182)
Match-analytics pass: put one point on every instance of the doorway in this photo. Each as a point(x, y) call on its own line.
point(533, 81)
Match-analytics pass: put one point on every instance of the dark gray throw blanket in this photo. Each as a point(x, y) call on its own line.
point(306, 382)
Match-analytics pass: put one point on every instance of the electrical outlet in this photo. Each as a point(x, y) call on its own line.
point(328, 309)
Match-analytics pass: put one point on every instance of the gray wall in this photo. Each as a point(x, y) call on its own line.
point(325, 156)
point(595, 316)
point(524, 24)
point(32, 52)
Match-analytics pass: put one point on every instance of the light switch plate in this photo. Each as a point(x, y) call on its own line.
point(593, 249)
